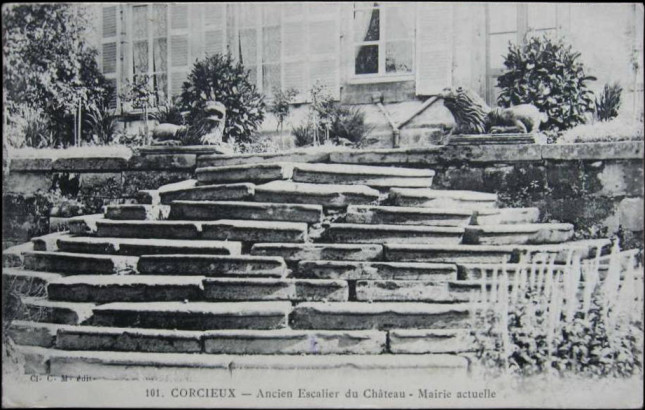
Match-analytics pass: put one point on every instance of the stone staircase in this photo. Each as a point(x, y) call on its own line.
point(247, 264)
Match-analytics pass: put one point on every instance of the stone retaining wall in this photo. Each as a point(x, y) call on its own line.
point(598, 187)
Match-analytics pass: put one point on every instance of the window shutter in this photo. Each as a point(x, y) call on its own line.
point(434, 48)
point(179, 47)
point(214, 28)
point(323, 46)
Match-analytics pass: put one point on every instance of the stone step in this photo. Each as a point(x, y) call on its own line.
point(233, 289)
point(506, 216)
point(424, 341)
point(321, 154)
point(288, 341)
point(42, 310)
point(469, 271)
point(13, 256)
point(212, 265)
point(27, 333)
point(193, 315)
point(78, 263)
point(586, 248)
point(448, 253)
point(148, 229)
point(320, 194)
point(128, 339)
point(280, 341)
point(128, 288)
point(190, 191)
point(212, 210)
point(224, 230)
point(137, 212)
point(137, 246)
point(396, 215)
point(195, 368)
point(49, 242)
point(381, 177)
point(518, 234)
point(255, 231)
point(84, 224)
point(353, 270)
point(378, 315)
point(361, 233)
point(434, 198)
point(405, 291)
point(294, 252)
point(27, 282)
point(244, 173)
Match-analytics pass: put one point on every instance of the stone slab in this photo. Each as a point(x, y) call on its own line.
point(377, 315)
point(244, 173)
point(138, 246)
point(361, 214)
point(148, 229)
point(48, 242)
point(405, 291)
point(294, 252)
point(255, 231)
point(465, 200)
point(212, 210)
point(595, 151)
point(125, 288)
point(220, 192)
point(78, 263)
point(193, 315)
point(518, 234)
point(230, 289)
point(491, 139)
point(506, 216)
point(287, 341)
point(30, 164)
point(65, 313)
point(33, 333)
point(101, 164)
point(469, 271)
point(137, 212)
point(321, 194)
point(13, 256)
point(382, 177)
point(83, 225)
point(360, 233)
point(353, 270)
point(162, 162)
point(244, 159)
point(27, 282)
point(448, 253)
point(424, 341)
point(131, 340)
point(212, 265)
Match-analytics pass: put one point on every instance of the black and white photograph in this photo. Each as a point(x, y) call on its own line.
point(323, 205)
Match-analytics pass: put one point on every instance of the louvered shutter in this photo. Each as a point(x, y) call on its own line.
point(109, 47)
point(323, 46)
point(179, 47)
point(295, 66)
point(214, 28)
point(434, 43)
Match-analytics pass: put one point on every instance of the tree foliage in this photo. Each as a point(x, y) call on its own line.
point(547, 73)
point(218, 77)
point(48, 65)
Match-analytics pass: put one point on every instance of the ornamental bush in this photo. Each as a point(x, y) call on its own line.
point(547, 73)
point(218, 77)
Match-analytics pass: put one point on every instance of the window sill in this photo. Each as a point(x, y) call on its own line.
point(380, 79)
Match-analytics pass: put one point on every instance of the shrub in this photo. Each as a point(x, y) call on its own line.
point(101, 123)
point(348, 124)
point(547, 73)
point(548, 321)
point(609, 103)
point(617, 129)
point(169, 113)
point(28, 127)
point(303, 134)
point(218, 77)
point(281, 107)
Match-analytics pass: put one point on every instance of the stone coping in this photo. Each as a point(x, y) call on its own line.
point(164, 158)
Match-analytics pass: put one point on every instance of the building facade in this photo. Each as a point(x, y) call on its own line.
point(402, 52)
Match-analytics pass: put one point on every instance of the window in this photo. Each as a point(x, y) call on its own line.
point(150, 48)
point(109, 47)
point(383, 38)
point(512, 23)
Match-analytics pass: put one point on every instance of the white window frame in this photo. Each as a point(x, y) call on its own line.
point(382, 76)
